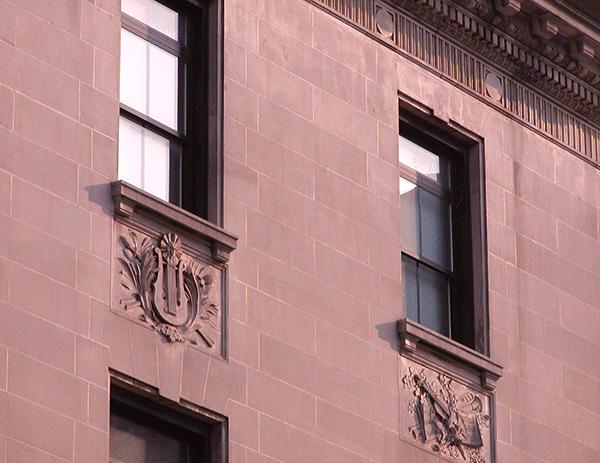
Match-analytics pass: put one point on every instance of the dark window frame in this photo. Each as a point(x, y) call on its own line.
point(197, 423)
point(196, 148)
point(469, 320)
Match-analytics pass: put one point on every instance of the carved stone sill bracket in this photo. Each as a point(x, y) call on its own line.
point(130, 200)
point(170, 270)
point(416, 340)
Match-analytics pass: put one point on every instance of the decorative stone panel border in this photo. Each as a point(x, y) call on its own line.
point(444, 414)
point(170, 270)
point(497, 68)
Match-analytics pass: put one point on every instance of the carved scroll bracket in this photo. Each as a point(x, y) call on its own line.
point(418, 341)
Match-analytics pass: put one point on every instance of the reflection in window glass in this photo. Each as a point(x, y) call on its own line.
point(133, 442)
point(422, 160)
point(435, 229)
point(410, 287)
point(130, 152)
point(144, 158)
point(426, 295)
point(149, 79)
point(154, 14)
point(162, 83)
point(156, 165)
point(426, 224)
point(134, 69)
point(434, 305)
point(409, 215)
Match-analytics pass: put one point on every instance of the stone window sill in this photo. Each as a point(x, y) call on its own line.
point(423, 343)
point(136, 204)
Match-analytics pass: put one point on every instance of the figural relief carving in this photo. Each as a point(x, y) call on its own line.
point(446, 416)
point(168, 290)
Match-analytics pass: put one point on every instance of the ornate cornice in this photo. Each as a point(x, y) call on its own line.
point(539, 66)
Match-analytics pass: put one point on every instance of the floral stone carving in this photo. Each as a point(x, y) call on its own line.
point(169, 290)
point(446, 416)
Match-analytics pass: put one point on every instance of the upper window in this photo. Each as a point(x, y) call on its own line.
point(164, 92)
point(438, 233)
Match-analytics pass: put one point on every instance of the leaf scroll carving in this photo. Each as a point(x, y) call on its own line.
point(168, 290)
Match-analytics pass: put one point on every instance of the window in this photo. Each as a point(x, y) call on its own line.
point(439, 189)
point(166, 92)
point(142, 431)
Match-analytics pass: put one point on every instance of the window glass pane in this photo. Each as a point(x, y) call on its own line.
point(133, 442)
point(409, 215)
point(435, 229)
point(433, 300)
point(134, 68)
point(422, 160)
point(156, 15)
point(156, 165)
point(410, 289)
point(130, 152)
point(162, 82)
point(144, 158)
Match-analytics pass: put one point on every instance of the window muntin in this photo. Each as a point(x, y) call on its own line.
point(431, 262)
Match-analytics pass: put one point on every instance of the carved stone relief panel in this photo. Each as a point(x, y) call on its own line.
point(169, 287)
point(445, 414)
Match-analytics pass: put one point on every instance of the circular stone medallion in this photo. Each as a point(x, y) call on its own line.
point(385, 22)
point(493, 86)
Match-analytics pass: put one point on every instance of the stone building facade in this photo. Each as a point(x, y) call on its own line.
point(267, 319)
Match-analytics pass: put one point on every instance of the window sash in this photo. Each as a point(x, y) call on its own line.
point(178, 145)
point(152, 124)
point(175, 160)
point(435, 266)
point(142, 30)
point(425, 182)
point(155, 14)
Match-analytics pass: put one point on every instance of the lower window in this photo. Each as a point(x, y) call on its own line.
point(143, 431)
